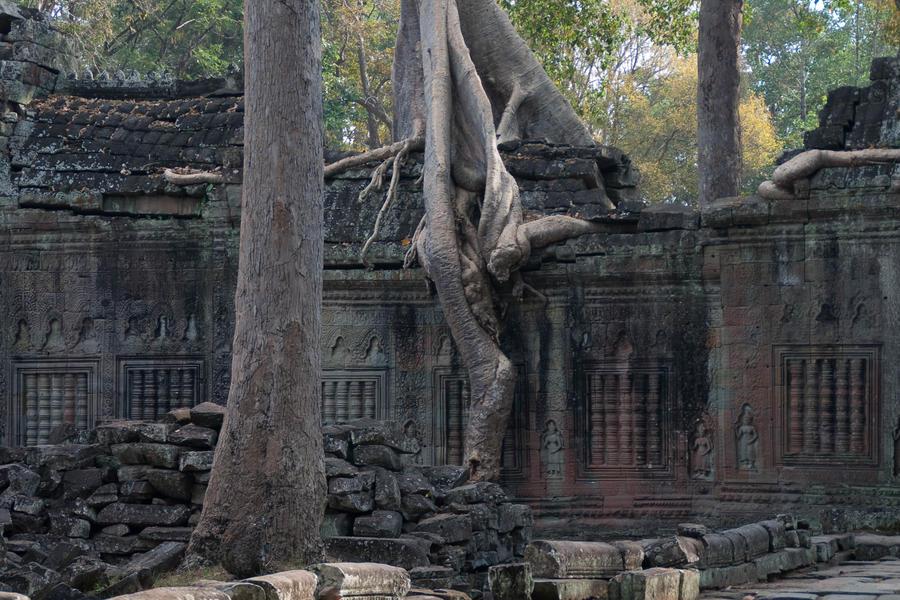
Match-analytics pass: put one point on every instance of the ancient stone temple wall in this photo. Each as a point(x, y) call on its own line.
point(725, 364)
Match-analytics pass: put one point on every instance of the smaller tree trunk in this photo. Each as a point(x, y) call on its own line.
point(803, 107)
point(373, 140)
point(718, 99)
point(407, 80)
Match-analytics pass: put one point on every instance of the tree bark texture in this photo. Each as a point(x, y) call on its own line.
point(718, 99)
point(480, 83)
point(264, 504)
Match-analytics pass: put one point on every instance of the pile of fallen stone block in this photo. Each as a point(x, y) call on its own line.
point(560, 570)
point(678, 567)
point(106, 512)
point(325, 581)
point(428, 519)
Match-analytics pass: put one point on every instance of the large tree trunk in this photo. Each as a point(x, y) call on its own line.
point(264, 504)
point(479, 83)
point(718, 98)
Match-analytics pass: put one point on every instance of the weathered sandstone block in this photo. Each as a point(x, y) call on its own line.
point(651, 584)
point(353, 580)
point(287, 585)
point(552, 559)
point(511, 581)
point(570, 589)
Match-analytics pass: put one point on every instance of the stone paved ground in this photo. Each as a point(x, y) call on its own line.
point(852, 580)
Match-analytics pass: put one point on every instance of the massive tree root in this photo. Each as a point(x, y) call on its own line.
point(474, 239)
point(465, 80)
point(781, 186)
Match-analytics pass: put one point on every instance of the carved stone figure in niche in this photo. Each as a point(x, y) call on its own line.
point(444, 351)
point(701, 451)
point(134, 331)
point(191, 333)
point(375, 353)
point(162, 328)
point(623, 348)
point(54, 341)
point(23, 336)
point(340, 354)
point(897, 449)
point(552, 449)
point(747, 439)
point(87, 337)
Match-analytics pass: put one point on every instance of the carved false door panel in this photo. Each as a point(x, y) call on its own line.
point(47, 393)
point(450, 413)
point(624, 419)
point(151, 387)
point(828, 402)
point(354, 393)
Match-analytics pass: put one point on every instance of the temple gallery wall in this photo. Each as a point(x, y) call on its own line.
point(726, 363)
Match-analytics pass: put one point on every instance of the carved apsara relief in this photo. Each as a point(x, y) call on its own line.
point(552, 456)
point(702, 445)
point(22, 339)
point(54, 340)
point(88, 340)
point(747, 439)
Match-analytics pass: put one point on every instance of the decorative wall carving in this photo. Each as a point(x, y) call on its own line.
point(353, 394)
point(47, 393)
point(352, 347)
point(624, 417)
point(148, 388)
point(828, 401)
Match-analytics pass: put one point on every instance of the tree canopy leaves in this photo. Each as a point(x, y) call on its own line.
point(188, 38)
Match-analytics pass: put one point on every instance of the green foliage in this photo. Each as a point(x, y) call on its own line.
point(656, 116)
point(795, 51)
point(188, 38)
point(357, 52)
point(581, 42)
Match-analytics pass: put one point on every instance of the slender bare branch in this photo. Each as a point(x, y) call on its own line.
point(379, 154)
